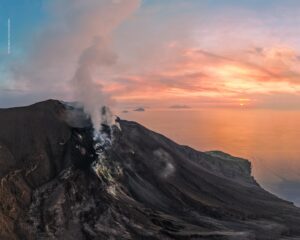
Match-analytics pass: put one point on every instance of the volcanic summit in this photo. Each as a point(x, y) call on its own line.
point(60, 182)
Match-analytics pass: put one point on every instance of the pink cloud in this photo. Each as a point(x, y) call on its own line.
point(209, 58)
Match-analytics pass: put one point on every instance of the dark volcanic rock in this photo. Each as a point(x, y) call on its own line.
point(54, 185)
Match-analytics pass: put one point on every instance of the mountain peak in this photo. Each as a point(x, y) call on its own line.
point(57, 183)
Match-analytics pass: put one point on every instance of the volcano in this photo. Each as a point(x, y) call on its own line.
point(60, 182)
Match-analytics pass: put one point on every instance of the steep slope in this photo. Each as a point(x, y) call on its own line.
point(55, 185)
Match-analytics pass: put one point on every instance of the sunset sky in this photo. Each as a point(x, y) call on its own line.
point(208, 53)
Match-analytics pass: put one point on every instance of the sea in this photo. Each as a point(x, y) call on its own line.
point(270, 139)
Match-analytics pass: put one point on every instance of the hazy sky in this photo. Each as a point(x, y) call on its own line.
point(208, 53)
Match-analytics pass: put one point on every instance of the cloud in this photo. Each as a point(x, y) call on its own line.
point(196, 74)
point(157, 55)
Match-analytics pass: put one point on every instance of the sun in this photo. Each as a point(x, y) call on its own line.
point(242, 102)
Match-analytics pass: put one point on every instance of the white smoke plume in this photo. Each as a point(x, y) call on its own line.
point(86, 90)
point(98, 56)
point(74, 52)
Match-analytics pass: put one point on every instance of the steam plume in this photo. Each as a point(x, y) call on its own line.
point(98, 56)
point(74, 52)
point(87, 91)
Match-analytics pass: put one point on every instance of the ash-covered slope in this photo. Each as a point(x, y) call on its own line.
point(54, 185)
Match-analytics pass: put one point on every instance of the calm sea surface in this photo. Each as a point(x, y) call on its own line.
point(270, 139)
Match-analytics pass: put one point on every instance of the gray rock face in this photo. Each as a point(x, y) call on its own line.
point(55, 185)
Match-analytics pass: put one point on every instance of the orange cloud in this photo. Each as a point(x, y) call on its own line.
point(196, 75)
